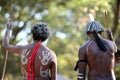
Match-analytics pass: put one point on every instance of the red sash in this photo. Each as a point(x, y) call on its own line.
point(31, 62)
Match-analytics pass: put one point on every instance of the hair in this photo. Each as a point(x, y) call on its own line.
point(40, 31)
point(99, 42)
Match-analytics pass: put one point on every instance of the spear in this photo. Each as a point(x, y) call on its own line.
point(106, 20)
point(6, 57)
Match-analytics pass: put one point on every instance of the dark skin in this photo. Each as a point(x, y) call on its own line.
point(100, 63)
point(110, 37)
point(40, 63)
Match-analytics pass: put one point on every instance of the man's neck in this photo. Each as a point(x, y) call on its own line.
point(35, 41)
point(90, 36)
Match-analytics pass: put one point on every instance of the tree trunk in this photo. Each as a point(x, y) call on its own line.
point(116, 15)
point(116, 10)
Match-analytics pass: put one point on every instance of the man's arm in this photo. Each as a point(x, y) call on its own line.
point(5, 43)
point(82, 64)
point(109, 35)
point(117, 51)
point(54, 68)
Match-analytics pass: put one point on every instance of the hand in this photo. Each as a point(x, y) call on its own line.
point(117, 56)
point(108, 33)
point(9, 25)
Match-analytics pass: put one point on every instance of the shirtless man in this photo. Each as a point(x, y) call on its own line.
point(98, 53)
point(45, 60)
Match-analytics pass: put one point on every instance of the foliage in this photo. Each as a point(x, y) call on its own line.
point(66, 18)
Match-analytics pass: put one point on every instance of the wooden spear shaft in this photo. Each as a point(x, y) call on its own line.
point(11, 16)
point(106, 19)
point(6, 57)
point(4, 68)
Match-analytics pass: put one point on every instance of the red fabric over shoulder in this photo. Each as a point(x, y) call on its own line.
point(31, 62)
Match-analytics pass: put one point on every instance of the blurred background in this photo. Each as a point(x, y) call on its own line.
point(67, 19)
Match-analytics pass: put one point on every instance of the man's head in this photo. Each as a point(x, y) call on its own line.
point(40, 31)
point(94, 26)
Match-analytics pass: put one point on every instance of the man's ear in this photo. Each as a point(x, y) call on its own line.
point(88, 33)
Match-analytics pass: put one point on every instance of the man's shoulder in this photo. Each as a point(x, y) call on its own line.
point(83, 48)
point(110, 44)
point(52, 55)
point(50, 51)
point(108, 41)
point(84, 45)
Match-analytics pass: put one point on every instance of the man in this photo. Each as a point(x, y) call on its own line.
point(38, 62)
point(98, 53)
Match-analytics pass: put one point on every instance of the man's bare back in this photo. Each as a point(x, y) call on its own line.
point(98, 54)
point(101, 64)
point(43, 61)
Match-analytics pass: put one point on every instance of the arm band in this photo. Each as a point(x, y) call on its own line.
point(81, 75)
point(76, 66)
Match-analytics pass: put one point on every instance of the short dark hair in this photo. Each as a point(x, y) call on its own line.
point(40, 31)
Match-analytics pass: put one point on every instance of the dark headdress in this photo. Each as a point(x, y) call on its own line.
point(95, 27)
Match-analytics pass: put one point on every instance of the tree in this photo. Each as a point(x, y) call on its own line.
point(67, 19)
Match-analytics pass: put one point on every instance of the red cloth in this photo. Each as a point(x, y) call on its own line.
point(31, 62)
